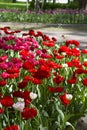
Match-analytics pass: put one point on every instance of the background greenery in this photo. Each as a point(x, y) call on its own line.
point(18, 5)
point(47, 5)
point(57, 13)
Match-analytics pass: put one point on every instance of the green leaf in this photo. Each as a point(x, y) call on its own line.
point(27, 125)
point(59, 111)
point(43, 128)
point(45, 113)
point(69, 124)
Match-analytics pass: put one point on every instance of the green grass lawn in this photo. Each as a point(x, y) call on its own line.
point(18, 5)
point(9, 1)
point(5, 1)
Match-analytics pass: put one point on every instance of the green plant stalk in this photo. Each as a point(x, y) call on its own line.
point(1, 125)
point(8, 116)
point(27, 125)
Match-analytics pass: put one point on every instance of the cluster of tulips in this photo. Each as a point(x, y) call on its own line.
point(43, 83)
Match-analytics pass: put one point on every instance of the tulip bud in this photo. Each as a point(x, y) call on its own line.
point(19, 106)
point(69, 96)
point(33, 95)
point(20, 100)
point(65, 65)
point(63, 53)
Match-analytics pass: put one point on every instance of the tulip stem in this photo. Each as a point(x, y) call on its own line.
point(1, 125)
point(8, 117)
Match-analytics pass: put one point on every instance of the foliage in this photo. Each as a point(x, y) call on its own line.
point(71, 5)
point(43, 83)
point(6, 1)
point(51, 6)
point(47, 5)
point(62, 16)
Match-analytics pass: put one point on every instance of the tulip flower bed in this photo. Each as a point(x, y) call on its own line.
point(57, 16)
point(43, 83)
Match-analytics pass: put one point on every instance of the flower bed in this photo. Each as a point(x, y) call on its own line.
point(63, 16)
point(43, 83)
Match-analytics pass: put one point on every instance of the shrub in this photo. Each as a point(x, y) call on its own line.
point(49, 5)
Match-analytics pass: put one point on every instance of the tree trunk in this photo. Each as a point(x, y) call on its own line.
point(83, 4)
point(68, 1)
point(43, 3)
point(54, 1)
point(36, 6)
point(14, 1)
point(27, 5)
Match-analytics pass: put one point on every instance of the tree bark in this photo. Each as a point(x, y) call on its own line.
point(83, 4)
point(68, 1)
point(36, 6)
point(43, 3)
point(54, 1)
point(14, 1)
point(27, 5)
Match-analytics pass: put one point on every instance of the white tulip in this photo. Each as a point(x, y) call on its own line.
point(69, 96)
point(33, 95)
point(20, 99)
point(19, 106)
point(63, 53)
point(77, 48)
point(0, 105)
point(85, 59)
point(65, 65)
